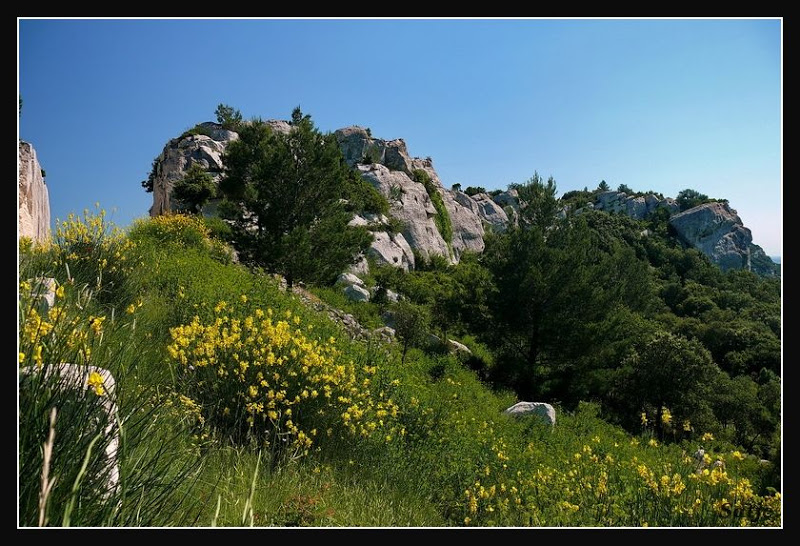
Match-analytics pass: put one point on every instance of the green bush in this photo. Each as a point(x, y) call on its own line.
point(442, 219)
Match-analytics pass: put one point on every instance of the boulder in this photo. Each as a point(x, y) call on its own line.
point(391, 249)
point(33, 200)
point(542, 410)
point(458, 348)
point(43, 292)
point(75, 378)
point(356, 293)
point(349, 278)
point(384, 333)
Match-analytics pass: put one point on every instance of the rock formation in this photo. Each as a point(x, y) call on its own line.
point(717, 231)
point(714, 229)
point(636, 207)
point(389, 168)
point(33, 199)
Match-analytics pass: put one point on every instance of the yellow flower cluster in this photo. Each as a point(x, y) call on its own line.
point(93, 249)
point(600, 483)
point(95, 382)
point(60, 335)
point(285, 387)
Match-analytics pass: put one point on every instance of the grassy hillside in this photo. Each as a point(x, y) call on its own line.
point(239, 405)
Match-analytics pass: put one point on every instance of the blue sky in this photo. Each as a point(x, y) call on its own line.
point(658, 105)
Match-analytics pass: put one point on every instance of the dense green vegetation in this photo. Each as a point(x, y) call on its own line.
point(290, 197)
point(240, 405)
point(195, 189)
point(599, 307)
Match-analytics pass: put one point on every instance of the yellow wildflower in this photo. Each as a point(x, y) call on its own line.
point(666, 416)
point(95, 382)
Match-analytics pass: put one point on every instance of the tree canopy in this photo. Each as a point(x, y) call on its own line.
point(195, 189)
point(286, 196)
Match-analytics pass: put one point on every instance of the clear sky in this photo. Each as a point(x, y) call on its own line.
point(658, 105)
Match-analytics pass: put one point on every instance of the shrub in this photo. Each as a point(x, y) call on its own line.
point(474, 190)
point(182, 230)
point(442, 218)
point(266, 379)
point(93, 252)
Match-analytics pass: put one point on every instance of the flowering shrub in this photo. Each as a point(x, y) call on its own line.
point(93, 252)
point(61, 334)
point(265, 377)
point(181, 229)
point(185, 231)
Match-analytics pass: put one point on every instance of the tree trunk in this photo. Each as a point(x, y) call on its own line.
point(528, 390)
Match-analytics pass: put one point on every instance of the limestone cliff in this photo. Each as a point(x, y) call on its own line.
point(33, 199)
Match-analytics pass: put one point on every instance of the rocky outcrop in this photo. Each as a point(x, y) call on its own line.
point(387, 247)
point(716, 230)
point(205, 148)
point(358, 146)
point(33, 199)
point(391, 249)
point(409, 203)
point(179, 154)
point(638, 207)
point(467, 226)
point(492, 214)
point(387, 165)
point(389, 168)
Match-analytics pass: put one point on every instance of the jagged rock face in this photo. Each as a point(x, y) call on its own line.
point(356, 145)
point(387, 165)
point(467, 225)
point(34, 200)
point(409, 203)
point(489, 211)
point(717, 231)
point(179, 154)
point(635, 207)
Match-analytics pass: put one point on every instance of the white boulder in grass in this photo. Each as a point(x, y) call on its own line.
point(540, 409)
point(350, 278)
point(80, 378)
point(356, 293)
point(43, 290)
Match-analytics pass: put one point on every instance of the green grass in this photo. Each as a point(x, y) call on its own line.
point(447, 457)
